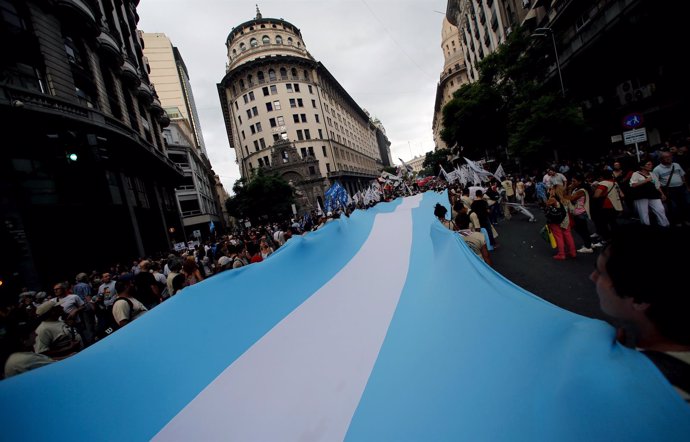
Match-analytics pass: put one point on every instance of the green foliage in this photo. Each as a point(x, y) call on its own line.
point(263, 198)
point(513, 104)
point(434, 160)
point(390, 169)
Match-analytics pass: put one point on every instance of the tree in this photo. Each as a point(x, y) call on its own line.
point(433, 161)
point(263, 198)
point(512, 104)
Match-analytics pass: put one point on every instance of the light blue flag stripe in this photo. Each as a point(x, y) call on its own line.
point(128, 386)
point(471, 356)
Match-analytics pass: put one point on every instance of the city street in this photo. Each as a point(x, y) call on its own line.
point(525, 258)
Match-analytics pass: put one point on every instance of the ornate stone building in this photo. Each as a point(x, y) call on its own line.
point(275, 90)
point(84, 177)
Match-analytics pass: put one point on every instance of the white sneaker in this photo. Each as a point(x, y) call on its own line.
point(594, 235)
point(598, 245)
point(585, 250)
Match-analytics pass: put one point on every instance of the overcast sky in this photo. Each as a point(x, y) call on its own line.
point(385, 53)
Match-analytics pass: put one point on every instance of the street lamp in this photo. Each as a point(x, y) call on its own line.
point(544, 32)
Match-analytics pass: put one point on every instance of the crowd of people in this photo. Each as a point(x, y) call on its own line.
point(602, 203)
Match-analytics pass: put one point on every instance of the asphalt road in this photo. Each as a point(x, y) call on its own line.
point(526, 259)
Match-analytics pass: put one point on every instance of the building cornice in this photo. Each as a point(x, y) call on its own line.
point(270, 21)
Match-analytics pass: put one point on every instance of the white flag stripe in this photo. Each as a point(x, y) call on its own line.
point(303, 380)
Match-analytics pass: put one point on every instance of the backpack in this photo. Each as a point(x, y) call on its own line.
point(555, 214)
point(112, 324)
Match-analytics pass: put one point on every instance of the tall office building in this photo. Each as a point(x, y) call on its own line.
point(84, 176)
point(198, 200)
point(274, 91)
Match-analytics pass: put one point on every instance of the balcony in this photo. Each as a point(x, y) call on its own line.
point(108, 43)
point(145, 92)
point(80, 12)
point(129, 73)
point(156, 106)
point(164, 120)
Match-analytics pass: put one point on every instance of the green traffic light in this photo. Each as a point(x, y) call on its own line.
point(73, 157)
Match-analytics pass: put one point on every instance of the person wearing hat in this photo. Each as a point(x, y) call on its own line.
point(22, 357)
point(54, 338)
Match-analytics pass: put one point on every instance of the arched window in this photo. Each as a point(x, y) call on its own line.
point(234, 52)
point(243, 47)
point(265, 40)
point(306, 75)
point(290, 41)
point(283, 74)
point(250, 80)
point(272, 75)
point(279, 40)
point(241, 84)
point(298, 44)
point(253, 43)
point(293, 71)
point(260, 76)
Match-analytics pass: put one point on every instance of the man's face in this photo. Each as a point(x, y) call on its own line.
point(609, 301)
point(59, 291)
point(666, 158)
point(105, 278)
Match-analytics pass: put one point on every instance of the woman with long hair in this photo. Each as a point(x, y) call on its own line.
point(191, 271)
point(561, 230)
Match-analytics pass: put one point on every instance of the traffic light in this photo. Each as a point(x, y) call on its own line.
point(72, 156)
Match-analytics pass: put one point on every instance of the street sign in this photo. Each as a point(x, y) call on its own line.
point(635, 136)
point(616, 138)
point(632, 121)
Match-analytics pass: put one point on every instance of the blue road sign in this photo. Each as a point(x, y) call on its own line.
point(632, 121)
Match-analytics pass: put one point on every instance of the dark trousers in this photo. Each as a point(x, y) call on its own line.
point(582, 229)
point(678, 204)
point(606, 222)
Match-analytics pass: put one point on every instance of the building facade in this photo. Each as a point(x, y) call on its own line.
point(199, 202)
point(384, 144)
point(84, 174)
point(601, 69)
point(417, 163)
point(274, 90)
point(454, 75)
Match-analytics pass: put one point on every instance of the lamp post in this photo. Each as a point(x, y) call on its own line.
point(542, 32)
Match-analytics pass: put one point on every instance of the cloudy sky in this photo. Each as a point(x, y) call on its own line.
point(385, 53)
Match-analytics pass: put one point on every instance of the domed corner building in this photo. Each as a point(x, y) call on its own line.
point(286, 113)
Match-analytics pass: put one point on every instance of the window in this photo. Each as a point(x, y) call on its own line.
point(303, 117)
point(255, 111)
point(323, 149)
point(310, 149)
point(276, 105)
point(243, 47)
point(260, 76)
point(269, 107)
point(312, 170)
point(252, 129)
point(293, 103)
point(313, 103)
point(289, 41)
point(239, 117)
point(295, 118)
point(300, 136)
point(274, 89)
point(258, 127)
point(271, 75)
point(253, 43)
point(299, 102)
point(328, 167)
point(276, 137)
point(283, 74)
point(284, 155)
point(281, 121)
point(307, 135)
point(272, 122)
point(296, 86)
point(316, 117)
point(311, 91)
point(321, 136)
point(266, 161)
point(261, 162)
point(251, 96)
point(262, 143)
point(249, 113)
point(256, 145)
point(288, 86)
point(304, 152)
point(279, 40)
point(245, 98)
point(242, 84)
point(243, 137)
point(236, 106)
point(265, 40)
point(250, 80)
point(265, 91)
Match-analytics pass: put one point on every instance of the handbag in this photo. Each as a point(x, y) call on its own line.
point(555, 214)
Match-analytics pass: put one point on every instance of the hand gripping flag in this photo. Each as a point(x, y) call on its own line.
point(328, 341)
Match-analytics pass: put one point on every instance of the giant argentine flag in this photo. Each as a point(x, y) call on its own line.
point(381, 326)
